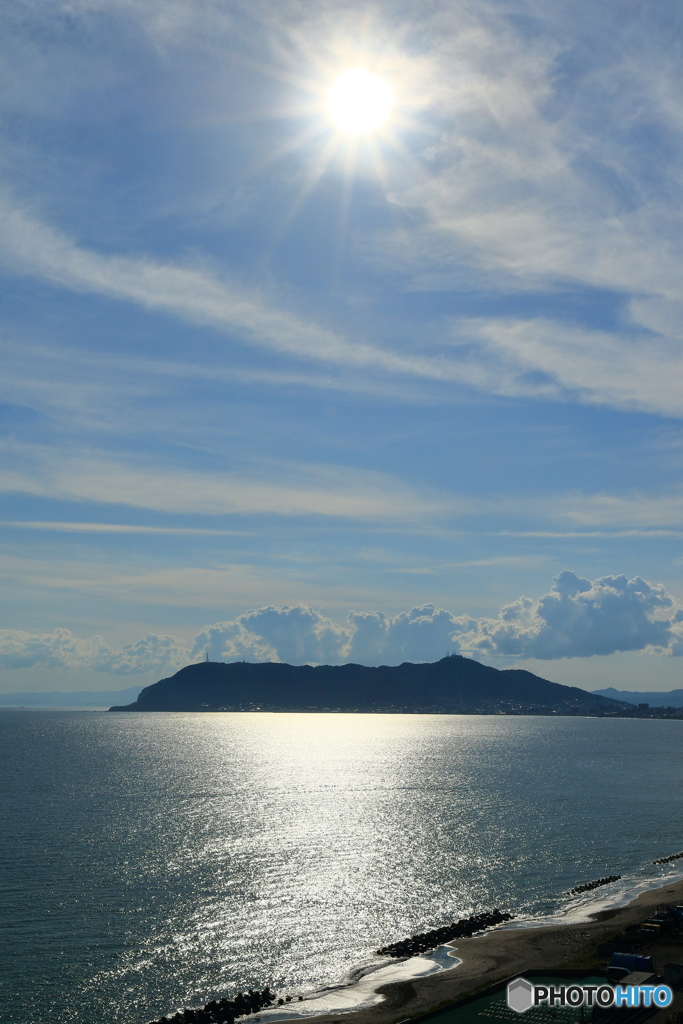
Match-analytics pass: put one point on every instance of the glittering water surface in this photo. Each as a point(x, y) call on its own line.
point(151, 861)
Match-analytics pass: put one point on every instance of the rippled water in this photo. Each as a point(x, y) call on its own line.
point(153, 861)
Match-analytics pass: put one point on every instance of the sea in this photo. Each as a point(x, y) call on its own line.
point(154, 861)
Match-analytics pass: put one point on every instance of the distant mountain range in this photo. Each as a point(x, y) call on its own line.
point(452, 685)
point(656, 699)
point(75, 699)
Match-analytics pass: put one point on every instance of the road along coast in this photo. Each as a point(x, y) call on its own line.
point(503, 954)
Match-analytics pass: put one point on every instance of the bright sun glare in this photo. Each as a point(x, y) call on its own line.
point(359, 101)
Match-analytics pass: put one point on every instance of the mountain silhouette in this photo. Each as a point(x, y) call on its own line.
point(452, 685)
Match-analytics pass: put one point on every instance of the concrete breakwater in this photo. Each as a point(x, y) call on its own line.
point(667, 860)
point(587, 886)
point(225, 1011)
point(462, 929)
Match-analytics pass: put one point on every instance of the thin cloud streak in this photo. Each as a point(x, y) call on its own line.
point(281, 489)
point(509, 353)
point(305, 489)
point(62, 527)
point(654, 533)
point(89, 388)
point(139, 582)
point(196, 295)
point(67, 527)
point(601, 368)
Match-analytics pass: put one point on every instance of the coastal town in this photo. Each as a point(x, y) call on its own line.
point(597, 711)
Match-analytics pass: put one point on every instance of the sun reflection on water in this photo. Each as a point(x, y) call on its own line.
point(166, 859)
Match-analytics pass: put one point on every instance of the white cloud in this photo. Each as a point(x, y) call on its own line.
point(580, 618)
point(100, 390)
point(61, 649)
point(421, 634)
point(638, 510)
point(299, 634)
point(308, 489)
point(557, 166)
point(199, 296)
point(152, 652)
point(291, 634)
point(554, 359)
point(66, 527)
point(58, 649)
point(534, 174)
point(541, 170)
point(272, 487)
point(251, 578)
point(576, 619)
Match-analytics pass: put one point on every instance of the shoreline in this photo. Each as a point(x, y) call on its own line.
point(500, 954)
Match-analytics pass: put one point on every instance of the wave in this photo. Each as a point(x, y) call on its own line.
point(359, 989)
point(581, 909)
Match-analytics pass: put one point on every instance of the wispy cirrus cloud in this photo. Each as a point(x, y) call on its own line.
point(58, 526)
point(518, 358)
point(518, 181)
point(535, 188)
point(622, 370)
point(266, 488)
point(545, 184)
point(197, 295)
point(81, 387)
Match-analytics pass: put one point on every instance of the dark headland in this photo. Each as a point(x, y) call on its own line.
point(453, 685)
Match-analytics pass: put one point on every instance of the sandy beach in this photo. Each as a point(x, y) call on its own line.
point(503, 953)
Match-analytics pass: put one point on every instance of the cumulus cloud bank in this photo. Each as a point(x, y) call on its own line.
point(576, 619)
point(580, 618)
point(299, 635)
point(61, 649)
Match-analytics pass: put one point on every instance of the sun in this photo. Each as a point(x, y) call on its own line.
point(359, 101)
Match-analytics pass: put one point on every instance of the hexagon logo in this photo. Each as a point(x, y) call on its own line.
point(520, 995)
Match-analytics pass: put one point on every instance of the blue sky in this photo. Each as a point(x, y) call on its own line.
point(272, 389)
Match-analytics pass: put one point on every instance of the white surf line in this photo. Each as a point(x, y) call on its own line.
point(582, 909)
point(361, 993)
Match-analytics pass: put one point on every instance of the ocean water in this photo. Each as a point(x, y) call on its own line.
point(153, 861)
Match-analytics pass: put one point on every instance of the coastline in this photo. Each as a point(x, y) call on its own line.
point(502, 953)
